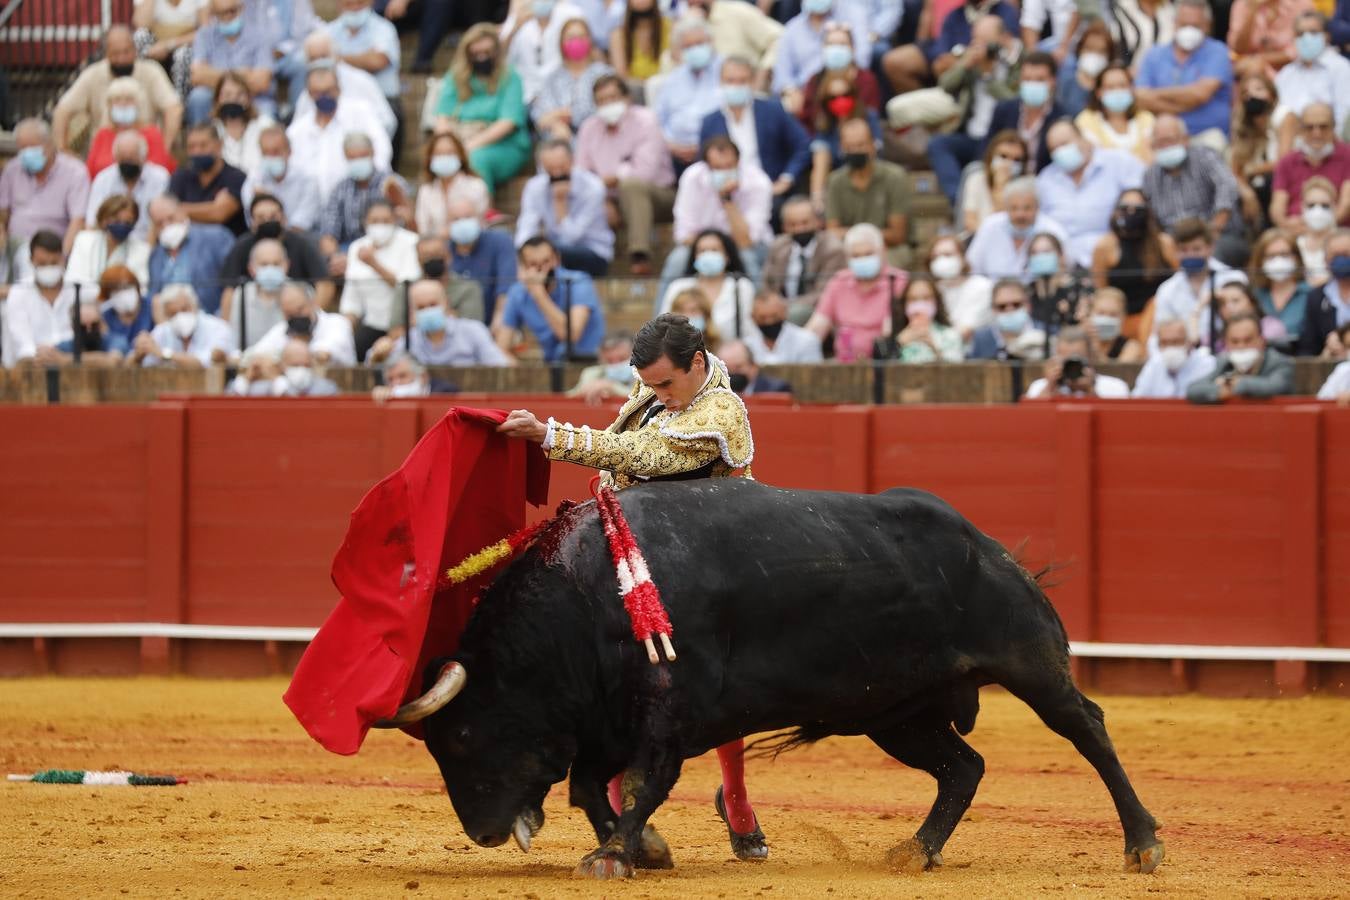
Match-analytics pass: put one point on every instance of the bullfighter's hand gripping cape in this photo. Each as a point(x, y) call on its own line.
point(462, 488)
point(709, 438)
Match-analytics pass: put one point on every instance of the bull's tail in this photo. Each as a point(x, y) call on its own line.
point(1043, 579)
point(772, 745)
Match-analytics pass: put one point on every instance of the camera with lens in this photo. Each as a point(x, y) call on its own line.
point(1072, 369)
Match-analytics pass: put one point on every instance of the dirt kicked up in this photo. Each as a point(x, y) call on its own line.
point(1254, 797)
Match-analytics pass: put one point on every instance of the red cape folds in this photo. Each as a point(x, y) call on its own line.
point(462, 488)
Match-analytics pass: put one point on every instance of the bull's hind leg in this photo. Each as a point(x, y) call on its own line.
point(928, 742)
point(1071, 715)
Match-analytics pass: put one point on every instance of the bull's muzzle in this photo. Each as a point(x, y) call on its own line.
point(449, 682)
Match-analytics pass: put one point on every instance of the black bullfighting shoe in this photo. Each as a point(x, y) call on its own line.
point(751, 846)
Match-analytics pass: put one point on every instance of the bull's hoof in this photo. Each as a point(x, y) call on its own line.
point(1144, 861)
point(654, 852)
point(911, 858)
point(604, 864)
point(751, 847)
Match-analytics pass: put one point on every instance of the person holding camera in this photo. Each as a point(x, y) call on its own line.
point(1070, 373)
point(1247, 367)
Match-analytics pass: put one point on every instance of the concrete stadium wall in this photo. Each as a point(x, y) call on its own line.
point(1172, 524)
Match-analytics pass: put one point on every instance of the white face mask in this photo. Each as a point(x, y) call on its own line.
point(1244, 359)
point(1092, 64)
point(1318, 218)
point(1279, 268)
point(184, 323)
point(611, 113)
point(1173, 357)
point(410, 389)
point(126, 301)
point(380, 234)
point(48, 276)
point(945, 266)
point(300, 378)
point(1189, 37)
point(1107, 327)
point(171, 236)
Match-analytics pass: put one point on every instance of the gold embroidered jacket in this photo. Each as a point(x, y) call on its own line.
point(710, 438)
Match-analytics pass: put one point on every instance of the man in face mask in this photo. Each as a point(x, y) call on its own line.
point(1080, 186)
point(38, 318)
point(210, 189)
point(1180, 296)
point(291, 184)
point(238, 38)
point(1174, 365)
point(802, 259)
point(379, 264)
point(721, 192)
point(186, 252)
point(566, 204)
point(303, 260)
point(1191, 77)
point(1319, 73)
point(746, 378)
point(187, 338)
point(1316, 152)
point(1189, 180)
point(1070, 372)
point(1246, 368)
point(319, 137)
point(851, 192)
point(85, 103)
point(354, 84)
point(298, 377)
point(132, 175)
point(761, 129)
point(343, 217)
point(405, 378)
point(614, 377)
point(438, 336)
point(1328, 307)
point(329, 334)
point(1012, 334)
point(39, 187)
point(1003, 241)
point(775, 340)
point(690, 92)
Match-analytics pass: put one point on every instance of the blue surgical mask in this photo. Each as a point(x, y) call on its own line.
point(444, 165)
point(431, 319)
point(542, 8)
point(1310, 45)
point(1034, 93)
point(698, 321)
point(817, 7)
point(622, 373)
point(698, 56)
point(1118, 100)
point(274, 166)
point(721, 177)
point(836, 56)
point(736, 95)
point(1193, 265)
point(34, 159)
point(465, 231)
point(1014, 321)
point(1339, 267)
point(123, 115)
point(710, 263)
point(1170, 157)
point(865, 267)
point(120, 231)
point(1043, 265)
point(361, 168)
point(231, 28)
point(355, 18)
point(270, 278)
point(1068, 158)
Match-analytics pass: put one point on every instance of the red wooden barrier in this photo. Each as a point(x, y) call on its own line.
point(1173, 524)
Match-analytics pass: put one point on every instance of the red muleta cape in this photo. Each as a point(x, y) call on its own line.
point(462, 488)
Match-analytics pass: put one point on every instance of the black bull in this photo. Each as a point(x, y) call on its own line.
point(823, 613)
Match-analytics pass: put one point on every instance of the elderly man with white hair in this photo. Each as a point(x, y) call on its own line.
point(355, 84)
point(188, 338)
point(255, 308)
point(1173, 362)
point(131, 174)
point(317, 137)
point(856, 302)
point(440, 337)
point(691, 91)
point(344, 211)
point(40, 188)
point(186, 251)
point(1001, 243)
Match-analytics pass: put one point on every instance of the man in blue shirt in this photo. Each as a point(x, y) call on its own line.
point(187, 252)
point(556, 305)
point(234, 41)
point(567, 205)
point(907, 67)
point(689, 92)
point(370, 43)
point(487, 257)
point(1191, 77)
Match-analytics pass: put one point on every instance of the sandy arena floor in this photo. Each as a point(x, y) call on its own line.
point(1253, 796)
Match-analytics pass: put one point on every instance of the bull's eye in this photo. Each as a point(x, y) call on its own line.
point(462, 735)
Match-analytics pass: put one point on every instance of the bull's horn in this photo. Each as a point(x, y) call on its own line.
point(449, 683)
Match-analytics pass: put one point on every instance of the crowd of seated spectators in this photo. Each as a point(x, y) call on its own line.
point(1154, 182)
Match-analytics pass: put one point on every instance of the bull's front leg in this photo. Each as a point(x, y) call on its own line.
point(633, 843)
point(588, 792)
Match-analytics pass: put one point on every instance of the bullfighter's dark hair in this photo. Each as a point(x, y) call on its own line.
point(668, 335)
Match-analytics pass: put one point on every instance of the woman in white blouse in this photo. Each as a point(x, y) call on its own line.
point(110, 244)
point(964, 295)
point(447, 176)
point(715, 268)
point(240, 124)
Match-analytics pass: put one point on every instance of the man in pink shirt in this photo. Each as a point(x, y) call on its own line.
point(856, 303)
point(622, 143)
point(720, 192)
point(1316, 152)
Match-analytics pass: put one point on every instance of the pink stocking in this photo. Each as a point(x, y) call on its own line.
point(739, 814)
point(616, 793)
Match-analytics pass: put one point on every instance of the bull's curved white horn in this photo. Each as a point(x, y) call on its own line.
point(449, 682)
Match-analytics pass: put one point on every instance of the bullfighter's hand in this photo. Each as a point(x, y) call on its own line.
point(522, 423)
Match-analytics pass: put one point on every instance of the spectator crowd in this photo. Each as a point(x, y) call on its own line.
point(241, 183)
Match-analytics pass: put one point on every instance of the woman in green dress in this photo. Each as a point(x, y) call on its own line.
point(482, 103)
